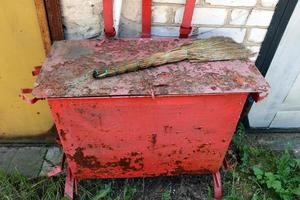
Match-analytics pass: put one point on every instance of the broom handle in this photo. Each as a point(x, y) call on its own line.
point(155, 59)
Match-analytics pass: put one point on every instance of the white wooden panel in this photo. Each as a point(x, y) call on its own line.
point(286, 119)
point(281, 75)
point(292, 101)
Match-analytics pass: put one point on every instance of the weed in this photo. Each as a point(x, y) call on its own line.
point(129, 192)
point(284, 179)
point(14, 186)
point(260, 174)
point(103, 193)
point(210, 193)
point(166, 195)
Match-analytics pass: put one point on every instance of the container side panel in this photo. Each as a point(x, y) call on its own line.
point(137, 137)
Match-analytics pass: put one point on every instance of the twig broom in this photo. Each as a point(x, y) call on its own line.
point(212, 49)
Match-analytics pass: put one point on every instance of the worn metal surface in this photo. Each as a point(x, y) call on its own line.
point(67, 72)
point(113, 128)
point(140, 136)
point(202, 50)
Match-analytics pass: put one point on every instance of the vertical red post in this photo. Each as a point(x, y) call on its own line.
point(69, 184)
point(217, 185)
point(146, 18)
point(185, 27)
point(109, 29)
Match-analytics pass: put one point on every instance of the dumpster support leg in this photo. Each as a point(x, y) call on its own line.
point(217, 185)
point(70, 184)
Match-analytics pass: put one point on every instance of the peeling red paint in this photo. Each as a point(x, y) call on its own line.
point(141, 136)
point(67, 72)
point(90, 162)
point(113, 128)
point(62, 133)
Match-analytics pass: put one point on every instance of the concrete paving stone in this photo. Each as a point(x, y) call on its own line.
point(26, 160)
point(52, 159)
point(277, 142)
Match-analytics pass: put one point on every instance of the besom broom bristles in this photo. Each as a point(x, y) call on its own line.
point(204, 50)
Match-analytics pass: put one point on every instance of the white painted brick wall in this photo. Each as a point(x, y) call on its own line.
point(132, 10)
point(246, 21)
point(239, 16)
point(82, 19)
point(269, 3)
point(213, 16)
point(164, 31)
point(231, 2)
point(170, 1)
point(257, 35)
point(255, 51)
point(161, 14)
point(260, 18)
point(237, 34)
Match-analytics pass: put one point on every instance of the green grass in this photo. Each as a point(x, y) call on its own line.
point(166, 195)
point(259, 175)
point(14, 186)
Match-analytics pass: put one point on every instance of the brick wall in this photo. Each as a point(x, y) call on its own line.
point(246, 21)
point(82, 19)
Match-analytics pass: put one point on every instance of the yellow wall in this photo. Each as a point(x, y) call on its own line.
point(21, 48)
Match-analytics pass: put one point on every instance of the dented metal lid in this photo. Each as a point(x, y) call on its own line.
point(67, 72)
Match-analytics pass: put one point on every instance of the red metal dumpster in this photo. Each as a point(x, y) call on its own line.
point(174, 119)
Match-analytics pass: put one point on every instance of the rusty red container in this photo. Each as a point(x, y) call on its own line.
point(174, 119)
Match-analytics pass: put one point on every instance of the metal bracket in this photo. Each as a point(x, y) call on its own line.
point(185, 27)
point(217, 185)
point(58, 169)
point(185, 31)
point(24, 91)
point(71, 182)
point(23, 95)
point(258, 96)
point(111, 33)
point(36, 70)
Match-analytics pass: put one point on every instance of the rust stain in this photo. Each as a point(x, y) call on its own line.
point(79, 109)
point(58, 118)
point(85, 161)
point(179, 169)
point(153, 139)
point(62, 134)
point(201, 147)
point(198, 128)
point(168, 129)
point(133, 163)
point(106, 146)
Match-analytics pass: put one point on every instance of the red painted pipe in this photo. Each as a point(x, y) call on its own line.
point(109, 29)
point(146, 18)
point(185, 28)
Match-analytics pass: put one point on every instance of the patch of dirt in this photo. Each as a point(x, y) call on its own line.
point(185, 187)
